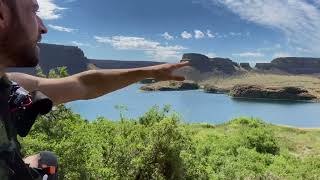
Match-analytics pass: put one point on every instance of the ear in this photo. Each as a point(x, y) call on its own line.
point(4, 14)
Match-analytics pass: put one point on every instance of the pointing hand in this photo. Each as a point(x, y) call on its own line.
point(163, 72)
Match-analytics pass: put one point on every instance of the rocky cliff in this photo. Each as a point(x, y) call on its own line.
point(204, 64)
point(292, 65)
point(246, 66)
point(202, 67)
point(276, 93)
point(52, 56)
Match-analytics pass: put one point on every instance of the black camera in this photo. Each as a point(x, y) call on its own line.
point(25, 108)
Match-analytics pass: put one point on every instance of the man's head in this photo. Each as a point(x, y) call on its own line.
point(20, 31)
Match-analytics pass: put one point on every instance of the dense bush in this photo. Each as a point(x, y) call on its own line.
point(257, 134)
point(111, 150)
point(159, 146)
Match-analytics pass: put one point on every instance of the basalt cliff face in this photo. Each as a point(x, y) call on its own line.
point(205, 64)
point(225, 66)
point(276, 93)
point(202, 67)
point(292, 65)
point(52, 56)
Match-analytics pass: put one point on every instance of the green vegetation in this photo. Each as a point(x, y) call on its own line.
point(159, 145)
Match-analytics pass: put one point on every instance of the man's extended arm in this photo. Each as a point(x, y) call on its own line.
point(94, 83)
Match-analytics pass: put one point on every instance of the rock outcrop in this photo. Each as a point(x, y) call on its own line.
point(264, 66)
point(205, 64)
point(292, 65)
point(148, 81)
point(202, 67)
point(214, 90)
point(52, 56)
point(171, 86)
point(246, 66)
point(276, 93)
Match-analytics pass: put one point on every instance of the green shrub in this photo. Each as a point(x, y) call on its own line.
point(164, 149)
point(158, 146)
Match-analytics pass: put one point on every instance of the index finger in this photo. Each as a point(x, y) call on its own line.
point(182, 64)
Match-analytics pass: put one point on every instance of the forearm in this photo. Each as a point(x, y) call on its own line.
point(94, 83)
point(99, 82)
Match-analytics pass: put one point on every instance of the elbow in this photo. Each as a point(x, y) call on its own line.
point(95, 84)
point(87, 94)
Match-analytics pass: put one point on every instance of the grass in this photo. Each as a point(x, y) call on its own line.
point(300, 142)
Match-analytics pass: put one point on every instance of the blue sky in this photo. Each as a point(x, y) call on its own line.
point(162, 30)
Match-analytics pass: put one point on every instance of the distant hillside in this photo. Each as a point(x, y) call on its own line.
point(206, 64)
point(202, 67)
point(52, 56)
point(292, 65)
point(202, 64)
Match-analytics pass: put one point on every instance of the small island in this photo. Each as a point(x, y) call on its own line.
point(170, 86)
point(276, 93)
point(281, 79)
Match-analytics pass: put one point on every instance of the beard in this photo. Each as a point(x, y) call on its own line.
point(17, 48)
point(25, 55)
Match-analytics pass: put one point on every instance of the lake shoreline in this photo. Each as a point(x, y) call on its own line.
point(153, 88)
point(249, 86)
point(196, 106)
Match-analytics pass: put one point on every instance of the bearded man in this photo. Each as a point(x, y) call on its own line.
point(20, 31)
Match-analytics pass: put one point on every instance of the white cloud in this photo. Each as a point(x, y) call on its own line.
point(299, 20)
point(152, 48)
point(210, 35)
point(235, 34)
point(166, 52)
point(61, 28)
point(249, 54)
point(278, 46)
point(211, 55)
point(167, 36)
point(198, 34)
point(186, 35)
point(76, 43)
point(222, 35)
point(281, 54)
point(128, 43)
point(275, 47)
point(49, 10)
point(302, 50)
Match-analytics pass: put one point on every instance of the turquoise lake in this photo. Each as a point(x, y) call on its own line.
point(197, 106)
